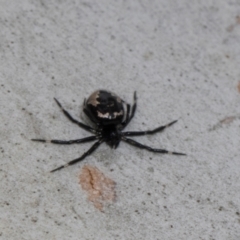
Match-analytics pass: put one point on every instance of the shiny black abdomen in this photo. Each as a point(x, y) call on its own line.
point(105, 108)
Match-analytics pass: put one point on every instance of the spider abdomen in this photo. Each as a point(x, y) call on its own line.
point(105, 108)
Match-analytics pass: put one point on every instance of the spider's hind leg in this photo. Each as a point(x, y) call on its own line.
point(68, 115)
point(140, 133)
point(127, 116)
point(132, 110)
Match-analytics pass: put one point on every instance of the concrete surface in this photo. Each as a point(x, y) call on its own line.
point(182, 57)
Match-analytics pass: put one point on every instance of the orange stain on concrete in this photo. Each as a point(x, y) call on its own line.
point(99, 188)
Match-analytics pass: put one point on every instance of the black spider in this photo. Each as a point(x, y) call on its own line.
point(111, 115)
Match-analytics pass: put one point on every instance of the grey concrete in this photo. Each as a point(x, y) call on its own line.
point(182, 57)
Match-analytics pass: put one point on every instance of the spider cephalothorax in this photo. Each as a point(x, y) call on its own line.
point(111, 115)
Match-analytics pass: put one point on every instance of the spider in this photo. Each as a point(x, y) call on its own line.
point(110, 115)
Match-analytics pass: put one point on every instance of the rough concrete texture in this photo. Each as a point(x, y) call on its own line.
point(183, 59)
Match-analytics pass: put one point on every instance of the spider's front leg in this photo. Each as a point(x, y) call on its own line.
point(157, 150)
point(94, 147)
point(55, 141)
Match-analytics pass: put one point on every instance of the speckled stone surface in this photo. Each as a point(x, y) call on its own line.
point(183, 59)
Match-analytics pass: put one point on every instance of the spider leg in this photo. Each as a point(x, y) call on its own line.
point(133, 109)
point(88, 115)
point(94, 147)
point(140, 133)
point(139, 145)
point(82, 140)
point(67, 114)
point(127, 115)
